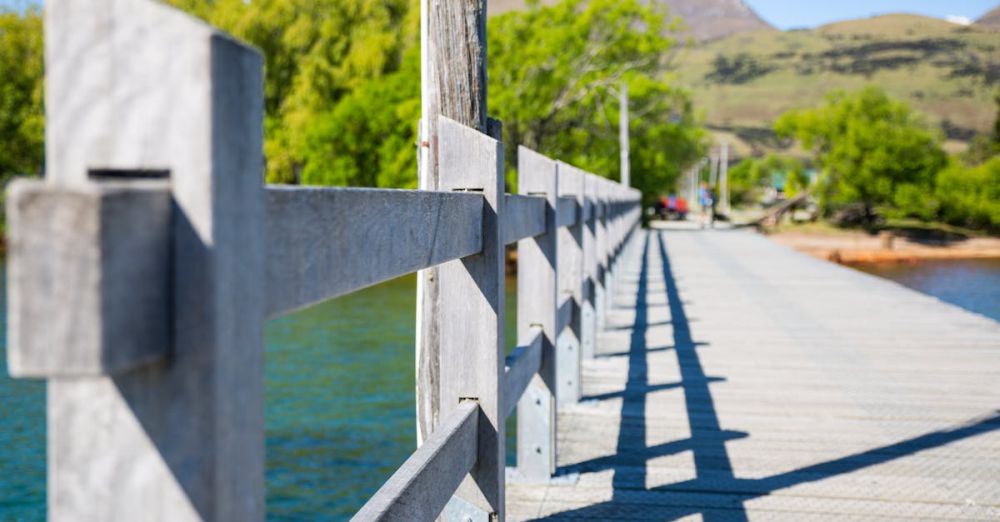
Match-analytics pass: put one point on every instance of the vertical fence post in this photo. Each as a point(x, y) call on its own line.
point(136, 87)
point(537, 302)
point(588, 320)
point(471, 320)
point(453, 84)
point(601, 249)
point(570, 273)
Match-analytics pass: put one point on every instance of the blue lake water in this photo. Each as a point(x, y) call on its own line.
point(973, 284)
point(340, 407)
point(340, 414)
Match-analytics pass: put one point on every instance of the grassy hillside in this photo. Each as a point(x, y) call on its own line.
point(991, 18)
point(948, 71)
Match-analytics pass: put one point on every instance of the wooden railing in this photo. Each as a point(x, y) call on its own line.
point(142, 269)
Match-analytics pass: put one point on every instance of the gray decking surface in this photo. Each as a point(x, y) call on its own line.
point(740, 380)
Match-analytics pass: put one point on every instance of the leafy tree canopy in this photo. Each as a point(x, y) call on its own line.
point(873, 150)
point(22, 122)
point(342, 87)
point(317, 52)
point(555, 77)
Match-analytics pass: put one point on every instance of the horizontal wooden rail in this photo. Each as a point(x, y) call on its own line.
point(524, 217)
point(327, 242)
point(88, 276)
point(522, 364)
point(567, 212)
point(422, 486)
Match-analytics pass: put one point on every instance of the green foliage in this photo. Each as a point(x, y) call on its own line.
point(21, 93)
point(873, 151)
point(555, 74)
point(342, 87)
point(984, 146)
point(750, 177)
point(970, 197)
point(369, 138)
point(318, 54)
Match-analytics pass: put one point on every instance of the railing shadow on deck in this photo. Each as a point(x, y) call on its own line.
point(713, 468)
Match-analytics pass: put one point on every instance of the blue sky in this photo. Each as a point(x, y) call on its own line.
point(787, 14)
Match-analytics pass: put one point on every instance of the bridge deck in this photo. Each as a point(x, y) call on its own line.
point(740, 380)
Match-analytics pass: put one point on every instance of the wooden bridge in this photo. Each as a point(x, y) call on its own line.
point(736, 380)
point(658, 376)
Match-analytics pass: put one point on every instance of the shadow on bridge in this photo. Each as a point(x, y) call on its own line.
point(715, 493)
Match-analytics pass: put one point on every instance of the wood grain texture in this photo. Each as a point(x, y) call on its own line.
point(471, 309)
point(453, 85)
point(738, 379)
point(569, 272)
point(422, 486)
point(524, 218)
point(537, 294)
point(326, 242)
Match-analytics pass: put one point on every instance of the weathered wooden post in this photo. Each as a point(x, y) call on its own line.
point(164, 420)
point(570, 274)
point(588, 315)
point(601, 248)
point(537, 305)
point(453, 84)
point(471, 321)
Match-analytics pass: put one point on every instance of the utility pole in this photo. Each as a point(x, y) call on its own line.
point(623, 123)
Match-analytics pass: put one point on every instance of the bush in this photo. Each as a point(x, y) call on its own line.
point(970, 197)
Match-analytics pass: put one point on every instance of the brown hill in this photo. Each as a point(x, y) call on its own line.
point(705, 19)
point(991, 19)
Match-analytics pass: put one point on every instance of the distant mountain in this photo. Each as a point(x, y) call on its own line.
point(705, 19)
point(990, 19)
point(744, 82)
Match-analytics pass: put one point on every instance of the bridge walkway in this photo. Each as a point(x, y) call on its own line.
point(738, 380)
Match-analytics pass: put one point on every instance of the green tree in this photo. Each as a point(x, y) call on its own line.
point(970, 196)
point(317, 52)
point(555, 73)
point(874, 152)
point(750, 176)
point(369, 138)
point(22, 123)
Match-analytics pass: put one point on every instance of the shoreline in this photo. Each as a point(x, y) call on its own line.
point(858, 247)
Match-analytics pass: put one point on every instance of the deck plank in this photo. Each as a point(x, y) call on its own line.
point(739, 380)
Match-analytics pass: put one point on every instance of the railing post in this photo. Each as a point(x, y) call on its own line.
point(601, 248)
point(570, 274)
point(537, 302)
point(470, 320)
point(138, 87)
point(588, 319)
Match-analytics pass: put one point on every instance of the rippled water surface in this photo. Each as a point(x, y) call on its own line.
point(972, 284)
point(340, 408)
